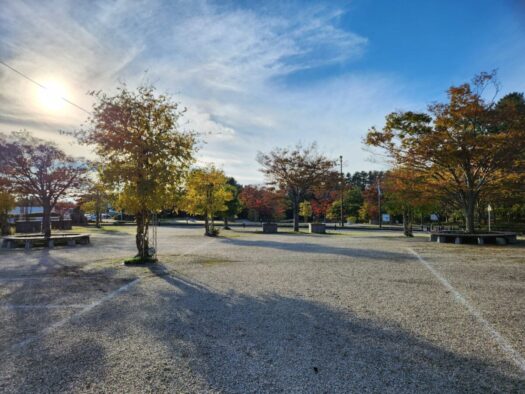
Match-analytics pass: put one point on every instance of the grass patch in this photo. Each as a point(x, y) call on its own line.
point(105, 229)
point(137, 260)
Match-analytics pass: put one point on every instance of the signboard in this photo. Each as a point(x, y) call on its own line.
point(434, 217)
point(386, 218)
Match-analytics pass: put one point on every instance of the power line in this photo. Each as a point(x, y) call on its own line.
point(43, 87)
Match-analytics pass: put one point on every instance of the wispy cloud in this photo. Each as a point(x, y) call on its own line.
point(226, 64)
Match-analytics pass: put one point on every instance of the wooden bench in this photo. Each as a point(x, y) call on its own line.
point(28, 241)
point(497, 238)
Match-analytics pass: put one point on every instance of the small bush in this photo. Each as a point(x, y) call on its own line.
point(213, 232)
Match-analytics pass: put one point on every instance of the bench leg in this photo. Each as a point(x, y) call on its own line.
point(481, 241)
point(71, 242)
point(50, 244)
point(28, 245)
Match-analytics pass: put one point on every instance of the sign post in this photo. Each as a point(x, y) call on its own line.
point(489, 210)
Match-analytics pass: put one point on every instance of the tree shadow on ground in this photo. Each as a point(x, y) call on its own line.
point(237, 343)
point(316, 248)
point(272, 343)
point(33, 301)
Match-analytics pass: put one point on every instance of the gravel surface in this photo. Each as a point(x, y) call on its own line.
point(358, 311)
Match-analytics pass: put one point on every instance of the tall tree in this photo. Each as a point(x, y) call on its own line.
point(31, 167)
point(96, 200)
point(207, 194)
point(296, 171)
point(352, 201)
point(144, 155)
point(406, 193)
point(233, 207)
point(465, 146)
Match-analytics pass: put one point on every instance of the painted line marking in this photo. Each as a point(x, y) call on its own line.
point(504, 345)
point(85, 310)
point(89, 307)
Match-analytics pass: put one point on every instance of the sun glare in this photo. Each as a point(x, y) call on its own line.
point(51, 97)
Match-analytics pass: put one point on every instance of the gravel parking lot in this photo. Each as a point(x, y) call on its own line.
point(356, 311)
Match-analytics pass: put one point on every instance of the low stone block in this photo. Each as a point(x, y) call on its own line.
point(71, 242)
point(501, 241)
point(269, 228)
point(458, 241)
point(317, 228)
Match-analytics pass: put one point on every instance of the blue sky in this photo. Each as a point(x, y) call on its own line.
point(257, 74)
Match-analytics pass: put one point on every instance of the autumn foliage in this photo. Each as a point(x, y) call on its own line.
point(263, 203)
point(465, 148)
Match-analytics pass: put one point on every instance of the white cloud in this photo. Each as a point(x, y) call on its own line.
point(225, 64)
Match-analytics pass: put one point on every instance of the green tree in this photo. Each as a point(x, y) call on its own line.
point(144, 156)
point(207, 194)
point(352, 201)
point(96, 200)
point(234, 206)
point(305, 210)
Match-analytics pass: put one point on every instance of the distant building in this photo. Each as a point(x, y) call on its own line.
point(32, 212)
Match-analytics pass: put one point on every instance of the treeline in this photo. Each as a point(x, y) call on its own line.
point(452, 161)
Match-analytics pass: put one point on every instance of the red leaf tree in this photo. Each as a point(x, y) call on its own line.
point(263, 203)
point(31, 167)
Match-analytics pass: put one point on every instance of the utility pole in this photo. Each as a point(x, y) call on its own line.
point(489, 210)
point(379, 201)
point(342, 190)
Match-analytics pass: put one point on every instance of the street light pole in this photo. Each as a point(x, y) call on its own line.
point(342, 189)
point(489, 210)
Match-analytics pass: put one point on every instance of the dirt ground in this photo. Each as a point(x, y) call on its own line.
point(353, 311)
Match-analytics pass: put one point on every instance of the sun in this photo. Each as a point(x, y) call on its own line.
point(51, 98)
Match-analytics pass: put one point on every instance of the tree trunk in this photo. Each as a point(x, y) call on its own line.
point(97, 217)
point(407, 223)
point(206, 225)
point(4, 224)
point(141, 238)
point(46, 219)
point(469, 209)
point(295, 207)
point(226, 227)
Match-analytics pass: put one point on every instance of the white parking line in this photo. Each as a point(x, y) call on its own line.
point(504, 345)
point(86, 309)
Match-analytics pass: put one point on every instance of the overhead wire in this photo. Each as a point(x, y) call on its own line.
point(43, 86)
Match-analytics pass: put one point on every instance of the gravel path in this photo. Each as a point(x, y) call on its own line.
point(249, 312)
